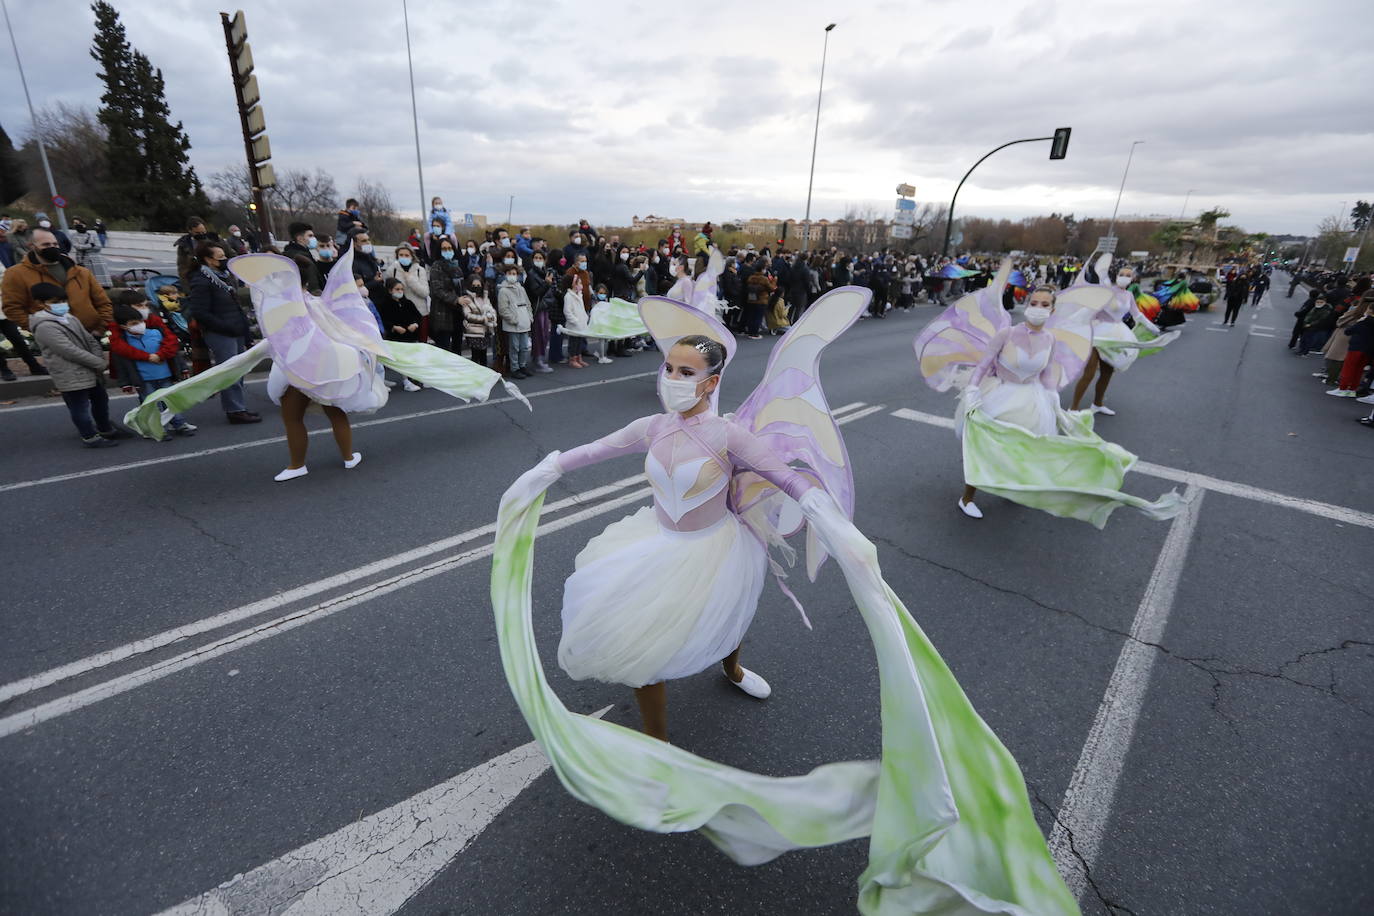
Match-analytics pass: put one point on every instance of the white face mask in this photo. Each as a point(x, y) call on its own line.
point(138, 327)
point(1123, 281)
point(1037, 315)
point(678, 395)
point(142, 311)
point(624, 256)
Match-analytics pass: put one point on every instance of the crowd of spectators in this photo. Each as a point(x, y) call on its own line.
point(1336, 323)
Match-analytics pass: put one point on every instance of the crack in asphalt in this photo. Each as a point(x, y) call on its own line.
point(1215, 667)
point(1111, 905)
point(200, 529)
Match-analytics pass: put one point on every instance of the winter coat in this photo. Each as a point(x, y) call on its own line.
point(151, 342)
point(1361, 335)
point(167, 349)
point(445, 286)
point(759, 286)
point(186, 247)
point(1339, 343)
point(398, 313)
point(442, 214)
point(624, 280)
point(345, 225)
point(416, 280)
point(1237, 291)
point(514, 307)
point(536, 285)
point(365, 265)
point(1320, 318)
point(574, 311)
point(479, 318)
point(74, 358)
point(215, 306)
point(88, 301)
point(86, 248)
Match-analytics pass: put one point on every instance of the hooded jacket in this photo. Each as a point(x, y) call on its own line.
point(88, 301)
point(74, 358)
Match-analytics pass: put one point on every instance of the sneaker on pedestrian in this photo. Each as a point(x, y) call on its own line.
point(410, 386)
point(970, 509)
point(1105, 411)
point(1341, 393)
point(542, 367)
point(603, 360)
point(1367, 399)
point(242, 416)
point(353, 462)
point(186, 429)
point(98, 441)
point(117, 433)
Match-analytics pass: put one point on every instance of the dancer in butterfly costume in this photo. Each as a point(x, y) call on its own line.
point(670, 591)
point(326, 351)
point(1115, 346)
point(1018, 443)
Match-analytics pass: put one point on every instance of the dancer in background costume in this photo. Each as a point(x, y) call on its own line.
point(1018, 443)
point(326, 351)
point(670, 591)
point(1115, 346)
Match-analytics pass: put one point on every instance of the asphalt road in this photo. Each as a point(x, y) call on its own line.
point(144, 774)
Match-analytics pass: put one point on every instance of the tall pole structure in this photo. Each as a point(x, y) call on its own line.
point(37, 134)
point(414, 113)
point(1112, 226)
point(1182, 214)
point(510, 208)
point(258, 150)
point(815, 137)
point(949, 218)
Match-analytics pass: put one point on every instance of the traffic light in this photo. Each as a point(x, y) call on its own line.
point(258, 147)
point(1060, 147)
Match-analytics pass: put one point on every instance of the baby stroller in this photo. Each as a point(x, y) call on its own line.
point(164, 298)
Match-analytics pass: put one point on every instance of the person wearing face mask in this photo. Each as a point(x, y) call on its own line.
point(145, 350)
point(77, 363)
point(433, 238)
point(479, 320)
point(196, 233)
point(1115, 345)
point(400, 320)
point(541, 290)
point(213, 302)
point(415, 278)
point(517, 316)
point(86, 251)
point(438, 214)
point(625, 277)
point(1018, 443)
point(524, 245)
point(576, 316)
point(42, 221)
point(350, 220)
point(364, 260)
point(304, 245)
point(576, 249)
point(45, 263)
point(445, 286)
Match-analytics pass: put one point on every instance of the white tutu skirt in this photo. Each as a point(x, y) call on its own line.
point(1116, 344)
point(1028, 405)
point(362, 393)
point(647, 604)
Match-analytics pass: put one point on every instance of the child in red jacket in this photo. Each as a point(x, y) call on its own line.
point(143, 348)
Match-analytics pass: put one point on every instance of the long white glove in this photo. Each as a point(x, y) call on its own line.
point(533, 482)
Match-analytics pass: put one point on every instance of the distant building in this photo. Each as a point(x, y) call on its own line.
point(656, 222)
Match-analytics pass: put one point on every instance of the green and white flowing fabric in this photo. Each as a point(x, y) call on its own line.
point(1076, 474)
point(613, 320)
point(447, 372)
point(145, 419)
point(1156, 340)
point(946, 810)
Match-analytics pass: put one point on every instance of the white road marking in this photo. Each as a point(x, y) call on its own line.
point(1263, 327)
point(1082, 818)
point(375, 865)
point(860, 414)
point(380, 421)
point(1342, 514)
point(285, 622)
point(1260, 334)
point(277, 602)
point(20, 721)
point(1216, 327)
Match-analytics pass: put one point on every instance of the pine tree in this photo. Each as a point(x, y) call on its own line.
point(151, 178)
point(13, 184)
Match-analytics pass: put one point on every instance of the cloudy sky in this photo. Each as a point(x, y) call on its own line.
point(608, 110)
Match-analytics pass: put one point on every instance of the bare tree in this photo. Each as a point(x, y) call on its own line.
point(75, 143)
point(300, 193)
point(379, 210)
point(231, 184)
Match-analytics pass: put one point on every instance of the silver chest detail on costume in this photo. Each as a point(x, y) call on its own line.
point(672, 488)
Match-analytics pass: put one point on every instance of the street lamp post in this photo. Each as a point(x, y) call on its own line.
point(949, 218)
point(414, 111)
point(815, 136)
point(37, 134)
point(1112, 225)
point(510, 208)
point(1182, 214)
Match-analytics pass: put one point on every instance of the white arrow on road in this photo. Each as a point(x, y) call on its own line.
point(374, 865)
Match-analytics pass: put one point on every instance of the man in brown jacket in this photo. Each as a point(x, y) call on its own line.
point(46, 263)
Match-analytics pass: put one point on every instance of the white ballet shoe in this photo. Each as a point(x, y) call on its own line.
point(969, 509)
point(410, 386)
point(356, 460)
point(1105, 411)
point(292, 473)
point(751, 684)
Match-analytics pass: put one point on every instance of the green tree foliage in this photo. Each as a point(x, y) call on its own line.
point(150, 176)
point(13, 184)
point(1360, 214)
